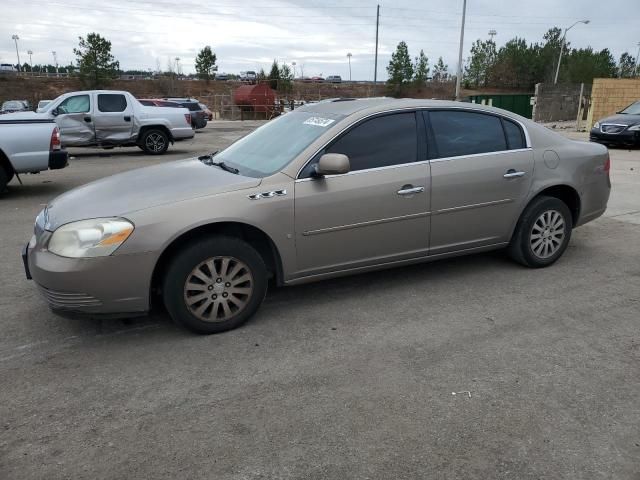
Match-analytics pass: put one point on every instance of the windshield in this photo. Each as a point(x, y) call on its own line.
point(271, 147)
point(633, 109)
point(13, 105)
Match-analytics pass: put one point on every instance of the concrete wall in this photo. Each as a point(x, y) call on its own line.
point(610, 95)
point(555, 103)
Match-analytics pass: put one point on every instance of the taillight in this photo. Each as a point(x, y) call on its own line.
point(187, 117)
point(607, 164)
point(55, 140)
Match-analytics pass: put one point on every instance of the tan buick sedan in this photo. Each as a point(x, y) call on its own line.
point(339, 187)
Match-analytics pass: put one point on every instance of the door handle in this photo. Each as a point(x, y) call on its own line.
point(410, 190)
point(127, 118)
point(87, 119)
point(511, 173)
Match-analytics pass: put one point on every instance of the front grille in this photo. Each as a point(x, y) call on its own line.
point(68, 300)
point(611, 128)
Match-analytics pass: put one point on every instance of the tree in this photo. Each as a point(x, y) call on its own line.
point(206, 63)
point(421, 69)
point(274, 75)
point(285, 85)
point(483, 58)
point(440, 73)
point(400, 69)
point(97, 67)
point(626, 66)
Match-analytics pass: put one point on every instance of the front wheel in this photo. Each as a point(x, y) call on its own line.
point(542, 234)
point(154, 142)
point(215, 284)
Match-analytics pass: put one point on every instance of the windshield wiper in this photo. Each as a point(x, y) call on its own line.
point(208, 160)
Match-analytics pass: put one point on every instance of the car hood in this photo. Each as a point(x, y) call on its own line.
point(120, 194)
point(621, 119)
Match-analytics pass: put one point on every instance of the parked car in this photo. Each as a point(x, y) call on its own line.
point(333, 188)
point(317, 79)
point(249, 76)
point(334, 79)
point(14, 106)
point(158, 102)
point(208, 113)
point(42, 104)
point(622, 128)
point(28, 145)
point(110, 118)
point(222, 77)
point(198, 116)
point(7, 68)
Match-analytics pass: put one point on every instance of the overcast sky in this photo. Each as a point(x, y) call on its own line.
point(317, 34)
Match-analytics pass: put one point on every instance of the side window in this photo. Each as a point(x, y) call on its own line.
point(112, 102)
point(379, 142)
point(515, 137)
point(75, 104)
point(465, 133)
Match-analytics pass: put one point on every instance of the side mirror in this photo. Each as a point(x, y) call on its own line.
point(55, 112)
point(332, 164)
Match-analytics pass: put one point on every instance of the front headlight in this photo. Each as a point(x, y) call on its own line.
point(596, 125)
point(635, 128)
point(98, 237)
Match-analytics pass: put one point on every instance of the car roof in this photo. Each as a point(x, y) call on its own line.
point(349, 106)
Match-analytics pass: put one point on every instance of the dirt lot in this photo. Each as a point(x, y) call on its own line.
point(349, 378)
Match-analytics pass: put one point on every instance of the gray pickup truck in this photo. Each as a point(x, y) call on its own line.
point(109, 118)
point(28, 146)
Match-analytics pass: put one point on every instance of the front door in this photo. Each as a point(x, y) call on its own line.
point(376, 213)
point(113, 120)
point(481, 172)
point(74, 121)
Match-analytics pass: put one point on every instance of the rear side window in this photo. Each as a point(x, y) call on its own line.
point(515, 137)
point(147, 103)
point(111, 102)
point(459, 133)
point(380, 142)
point(192, 106)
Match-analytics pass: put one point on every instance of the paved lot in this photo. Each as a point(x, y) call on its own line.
point(350, 378)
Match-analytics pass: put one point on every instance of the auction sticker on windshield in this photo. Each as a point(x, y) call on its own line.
point(318, 121)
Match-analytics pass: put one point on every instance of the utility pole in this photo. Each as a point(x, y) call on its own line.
point(635, 69)
point(294, 69)
point(177, 66)
point(375, 66)
point(459, 75)
point(349, 57)
point(564, 36)
point(15, 38)
point(55, 60)
point(29, 52)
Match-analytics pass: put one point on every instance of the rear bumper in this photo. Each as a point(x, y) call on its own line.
point(182, 133)
point(58, 159)
point(623, 138)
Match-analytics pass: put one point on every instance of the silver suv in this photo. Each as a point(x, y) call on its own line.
point(333, 188)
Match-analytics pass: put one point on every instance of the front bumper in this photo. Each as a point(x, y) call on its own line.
point(116, 285)
point(58, 159)
point(623, 138)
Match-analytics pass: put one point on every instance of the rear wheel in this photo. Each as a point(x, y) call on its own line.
point(542, 234)
point(5, 177)
point(215, 284)
point(154, 142)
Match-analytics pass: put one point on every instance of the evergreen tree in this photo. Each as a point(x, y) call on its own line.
point(440, 73)
point(626, 66)
point(206, 63)
point(400, 68)
point(97, 67)
point(274, 75)
point(421, 69)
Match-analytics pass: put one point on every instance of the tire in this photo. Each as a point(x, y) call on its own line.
point(542, 233)
point(5, 178)
point(154, 142)
point(215, 284)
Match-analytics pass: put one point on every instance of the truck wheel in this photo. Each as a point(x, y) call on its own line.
point(154, 142)
point(542, 234)
point(5, 178)
point(215, 284)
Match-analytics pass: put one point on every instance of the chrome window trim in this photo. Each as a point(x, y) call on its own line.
point(417, 109)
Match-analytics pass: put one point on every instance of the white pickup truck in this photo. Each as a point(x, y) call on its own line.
point(28, 145)
point(110, 118)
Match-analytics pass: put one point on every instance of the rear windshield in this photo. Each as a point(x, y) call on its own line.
point(192, 106)
point(633, 109)
point(270, 148)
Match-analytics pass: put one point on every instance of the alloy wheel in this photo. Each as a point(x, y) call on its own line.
point(155, 142)
point(547, 234)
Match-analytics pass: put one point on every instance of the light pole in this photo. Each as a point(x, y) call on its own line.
point(294, 69)
point(55, 61)
point(564, 36)
point(459, 74)
point(635, 69)
point(30, 61)
point(15, 38)
point(492, 33)
point(177, 66)
point(349, 57)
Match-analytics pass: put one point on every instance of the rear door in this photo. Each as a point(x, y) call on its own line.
point(481, 172)
point(74, 120)
point(376, 213)
point(113, 119)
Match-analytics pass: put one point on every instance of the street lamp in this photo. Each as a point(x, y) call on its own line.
point(15, 38)
point(177, 65)
point(294, 69)
point(349, 57)
point(55, 60)
point(562, 46)
point(30, 61)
